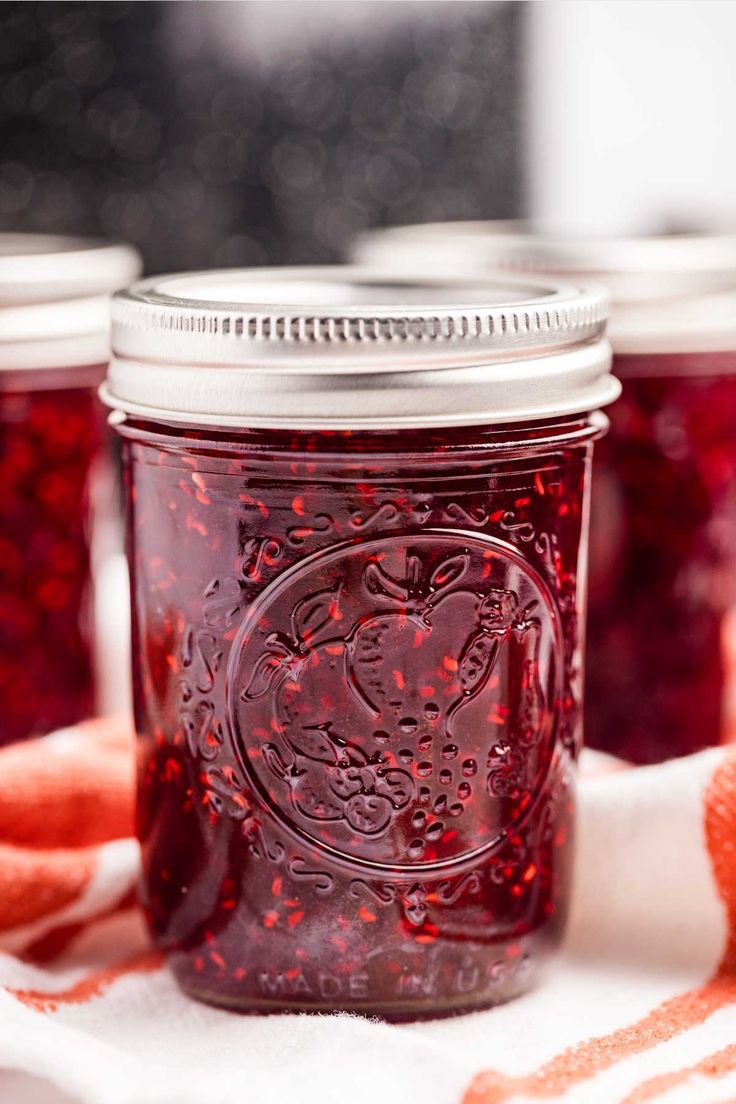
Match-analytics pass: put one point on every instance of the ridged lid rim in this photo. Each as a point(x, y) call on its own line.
point(345, 346)
point(537, 312)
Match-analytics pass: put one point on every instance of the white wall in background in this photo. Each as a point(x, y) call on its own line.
point(632, 113)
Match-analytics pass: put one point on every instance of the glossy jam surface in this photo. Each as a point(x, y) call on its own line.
point(50, 442)
point(357, 699)
point(660, 656)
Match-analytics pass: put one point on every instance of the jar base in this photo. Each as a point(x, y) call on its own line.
point(396, 1012)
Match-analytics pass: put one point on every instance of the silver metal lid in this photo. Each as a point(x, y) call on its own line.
point(341, 348)
point(54, 298)
point(673, 293)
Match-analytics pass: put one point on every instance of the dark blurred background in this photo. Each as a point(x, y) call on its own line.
point(249, 132)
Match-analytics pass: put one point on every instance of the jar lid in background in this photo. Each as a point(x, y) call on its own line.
point(54, 292)
point(671, 293)
point(338, 347)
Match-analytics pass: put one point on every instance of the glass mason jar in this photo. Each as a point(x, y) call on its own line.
point(53, 351)
point(357, 521)
point(661, 662)
point(661, 658)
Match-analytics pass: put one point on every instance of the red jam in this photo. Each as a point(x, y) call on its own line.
point(663, 560)
point(49, 445)
point(357, 697)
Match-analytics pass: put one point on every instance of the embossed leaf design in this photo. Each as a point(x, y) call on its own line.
point(370, 671)
point(270, 665)
point(448, 573)
point(314, 743)
point(313, 613)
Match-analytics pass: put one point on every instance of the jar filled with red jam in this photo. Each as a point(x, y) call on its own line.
point(661, 662)
point(661, 659)
point(357, 515)
point(53, 351)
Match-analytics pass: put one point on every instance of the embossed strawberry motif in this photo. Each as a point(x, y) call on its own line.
point(356, 713)
point(331, 777)
point(422, 624)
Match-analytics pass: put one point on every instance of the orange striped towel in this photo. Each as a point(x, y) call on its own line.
point(640, 1007)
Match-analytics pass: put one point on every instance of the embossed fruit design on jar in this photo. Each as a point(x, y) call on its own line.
point(357, 517)
point(661, 646)
point(53, 349)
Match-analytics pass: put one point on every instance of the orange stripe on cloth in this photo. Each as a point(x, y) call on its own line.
point(720, 832)
point(37, 883)
point(93, 985)
point(673, 1017)
point(69, 791)
point(715, 1065)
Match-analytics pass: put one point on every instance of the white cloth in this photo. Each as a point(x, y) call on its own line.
point(650, 924)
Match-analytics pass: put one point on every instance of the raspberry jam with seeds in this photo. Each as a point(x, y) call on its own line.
point(50, 445)
point(356, 655)
point(661, 655)
point(53, 347)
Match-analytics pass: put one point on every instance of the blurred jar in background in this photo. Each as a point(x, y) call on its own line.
point(53, 471)
point(661, 654)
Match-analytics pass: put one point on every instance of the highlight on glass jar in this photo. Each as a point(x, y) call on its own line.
point(54, 346)
point(357, 534)
point(661, 652)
